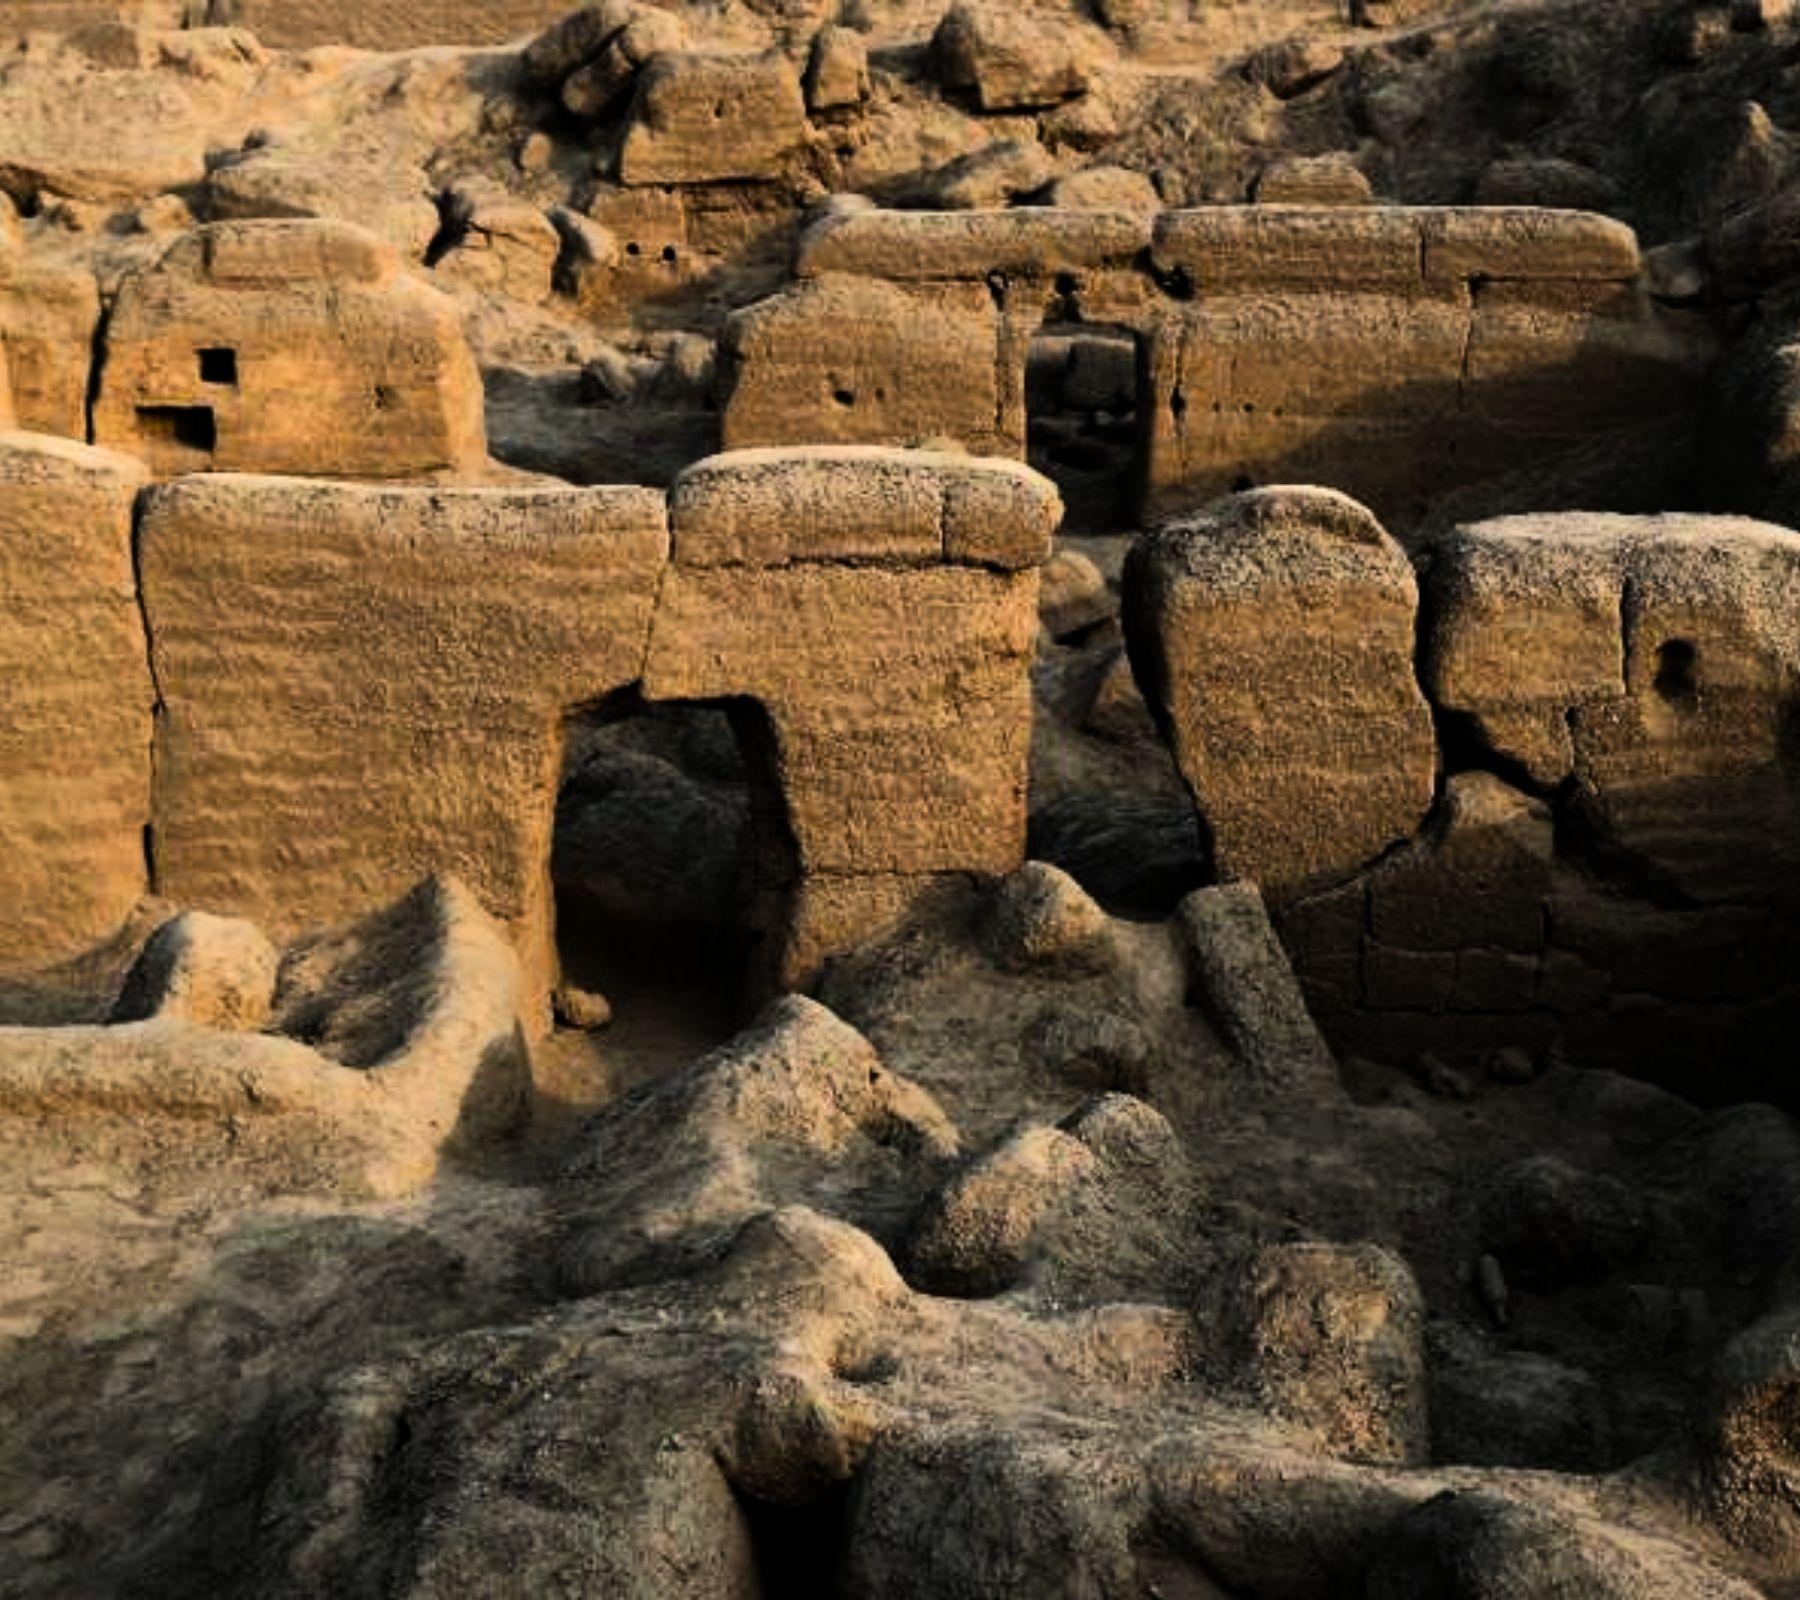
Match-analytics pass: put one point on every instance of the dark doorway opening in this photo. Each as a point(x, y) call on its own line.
point(1085, 412)
point(672, 861)
point(189, 427)
point(1676, 672)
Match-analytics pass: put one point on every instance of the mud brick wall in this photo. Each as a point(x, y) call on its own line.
point(1385, 351)
point(1591, 842)
point(355, 685)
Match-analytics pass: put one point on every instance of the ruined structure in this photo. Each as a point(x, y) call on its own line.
point(1391, 353)
point(536, 605)
point(331, 651)
point(915, 798)
point(1608, 864)
point(207, 349)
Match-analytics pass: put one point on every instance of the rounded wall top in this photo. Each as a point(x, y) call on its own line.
point(862, 504)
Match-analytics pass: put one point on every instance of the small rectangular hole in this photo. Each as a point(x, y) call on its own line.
point(218, 366)
point(192, 427)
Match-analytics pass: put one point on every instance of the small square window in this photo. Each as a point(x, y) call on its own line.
point(218, 366)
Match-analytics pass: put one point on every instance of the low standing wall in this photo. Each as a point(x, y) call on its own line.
point(1386, 351)
point(393, 24)
point(358, 686)
point(1611, 859)
point(362, 685)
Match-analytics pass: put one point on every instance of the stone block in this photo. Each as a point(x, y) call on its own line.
point(845, 360)
point(861, 505)
point(1026, 242)
point(1498, 242)
point(1012, 60)
point(837, 71)
point(1273, 638)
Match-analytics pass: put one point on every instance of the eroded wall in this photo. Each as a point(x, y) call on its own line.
point(362, 685)
point(55, 16)
point(1386, 351)
point(75, 736)
point(1612, 860)
point(289, 347)
point(357, 686)
point(48, 318)
point(393, 24)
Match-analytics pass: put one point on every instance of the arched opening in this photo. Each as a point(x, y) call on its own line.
point(672, 864)
point(1085, 416)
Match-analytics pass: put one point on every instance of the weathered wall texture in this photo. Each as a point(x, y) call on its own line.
point(882, 608)
point(363, 685)
point(206, 352)
point(56, 16)
point(1277, 631)
point(918, 323)
point(300, 24)
point(75, 736)
point(393, 24)
point(47, 322)
point(1614, 857)
point(1389, 352)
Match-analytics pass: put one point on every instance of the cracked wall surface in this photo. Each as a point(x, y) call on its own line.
point(357, 686)
point(1610, 862)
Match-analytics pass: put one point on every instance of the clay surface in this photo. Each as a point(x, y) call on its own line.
point(899, 799)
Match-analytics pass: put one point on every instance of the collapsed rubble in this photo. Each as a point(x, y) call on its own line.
point(898, 799)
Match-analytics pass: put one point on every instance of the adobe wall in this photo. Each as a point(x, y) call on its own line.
point(393, 24)
point(1570, 819)
point(1386, 351)
point(1573, 818)
point(75, 739)
point(301, 24)
point(59, 16)
point(363, 685)
point(48, 319)
point(207, 349)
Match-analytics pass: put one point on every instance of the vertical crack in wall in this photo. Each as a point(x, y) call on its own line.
point(1466, 361)
point(158, 705)
point(1628, 594)
point(97, 372)
point(1003, 344)
point(656, 605)
point(1424, 632)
